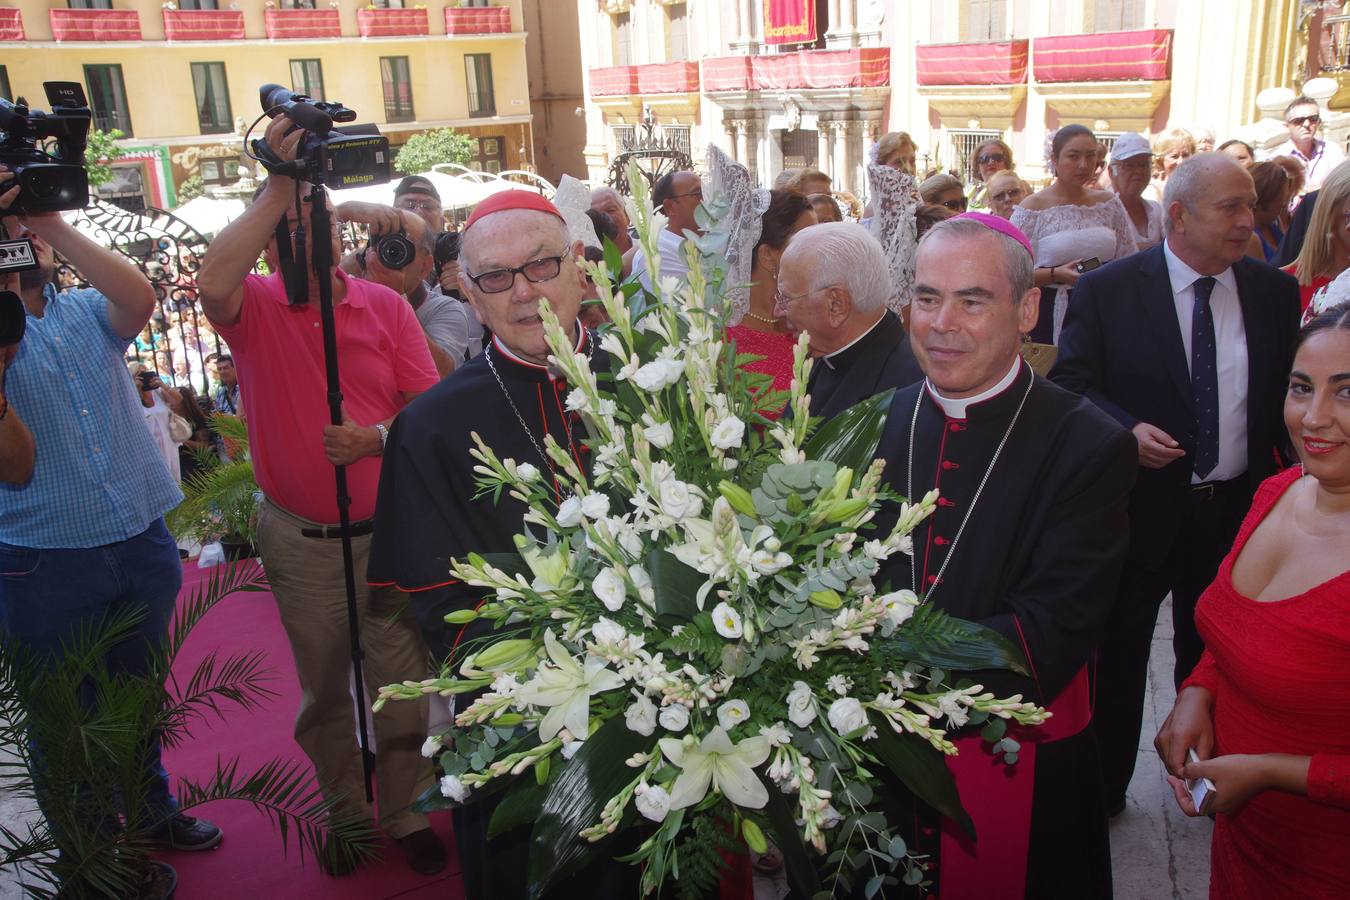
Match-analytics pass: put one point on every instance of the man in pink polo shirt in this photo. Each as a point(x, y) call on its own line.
point(278, 351)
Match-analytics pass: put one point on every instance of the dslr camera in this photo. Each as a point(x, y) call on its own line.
point(447, 249)
point(337, 157)
point(394, 250)
point(45, 151)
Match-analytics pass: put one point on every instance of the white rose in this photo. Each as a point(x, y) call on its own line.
point(727, 622)
point(732, 713)
point(661, 435)
point(677, 500)
point(629, 539)
point(641, 716)
point(801, 704)
point(899, 607)
point(595, 506)
point(728, 433)
point(674, 718)
point(847, 715)
point(672, 369)
point(653, 803)
point(453, 788)
point(569, 513)
point(653, 376)
point(609, 589)
point(607, 632)
point(431, 746)
point(527, 473)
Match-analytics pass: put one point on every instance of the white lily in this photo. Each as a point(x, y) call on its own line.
point(566, 687)
point(717, 763)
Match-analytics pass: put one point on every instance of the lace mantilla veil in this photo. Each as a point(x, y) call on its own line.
point(895, 196)
point(730, 183)
point(573, 198)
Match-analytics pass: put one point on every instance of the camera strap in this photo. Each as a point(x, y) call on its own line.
point(291, 257)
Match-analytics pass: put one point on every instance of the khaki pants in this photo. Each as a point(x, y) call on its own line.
point(307, 582)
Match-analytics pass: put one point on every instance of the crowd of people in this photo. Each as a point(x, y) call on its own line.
point(1117, 393)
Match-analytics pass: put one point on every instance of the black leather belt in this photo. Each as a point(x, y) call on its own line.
point(332, 532)
point(1207, 490)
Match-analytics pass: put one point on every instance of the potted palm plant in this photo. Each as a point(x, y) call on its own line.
point(220, 501)
point(78, 737)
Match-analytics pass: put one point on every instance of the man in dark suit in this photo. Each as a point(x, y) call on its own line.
point(833, 283)
point(1188, 345)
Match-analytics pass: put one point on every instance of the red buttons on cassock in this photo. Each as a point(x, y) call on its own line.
point(957, 426)
point(941, 541)
point(943, 501)
point(948, 464)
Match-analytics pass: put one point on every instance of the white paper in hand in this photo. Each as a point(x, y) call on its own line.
point(1202, 789)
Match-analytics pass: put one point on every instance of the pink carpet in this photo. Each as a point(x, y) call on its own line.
point(249, 862)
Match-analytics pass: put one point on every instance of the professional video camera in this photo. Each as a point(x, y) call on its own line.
point(51, 179)
point(447, 249)
point(330, 155)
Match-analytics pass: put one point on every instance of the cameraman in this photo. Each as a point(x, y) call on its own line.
point(84, 538)
point(278, 351)
point(400, 260)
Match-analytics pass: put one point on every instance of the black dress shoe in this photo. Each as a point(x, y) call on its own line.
point(424, 851)
point(183, 832)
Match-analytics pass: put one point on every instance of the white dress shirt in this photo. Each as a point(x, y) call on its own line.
point(1231, 350)
point(670, 246)
point(1325, 157)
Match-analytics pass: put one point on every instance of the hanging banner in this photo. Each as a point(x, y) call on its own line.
point(789, 21)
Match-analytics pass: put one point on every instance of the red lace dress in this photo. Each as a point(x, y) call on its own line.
point(775, 348)
point(1280, 675)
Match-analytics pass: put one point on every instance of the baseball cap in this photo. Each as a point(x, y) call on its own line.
point(1130, 145)
point(418, 184)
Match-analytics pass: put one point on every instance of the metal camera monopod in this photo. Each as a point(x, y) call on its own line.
point(347, 160)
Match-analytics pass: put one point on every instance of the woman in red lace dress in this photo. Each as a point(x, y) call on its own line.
point(1267, 709)
point(761, 332)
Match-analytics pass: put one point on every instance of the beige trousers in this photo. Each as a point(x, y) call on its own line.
point(307, 581)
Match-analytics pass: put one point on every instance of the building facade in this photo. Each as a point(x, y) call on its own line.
point(181, 79)
point(948, 72)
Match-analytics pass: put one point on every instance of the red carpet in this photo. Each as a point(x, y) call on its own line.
point(249, 862)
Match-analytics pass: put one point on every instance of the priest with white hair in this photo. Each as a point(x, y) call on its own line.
point(833, 283)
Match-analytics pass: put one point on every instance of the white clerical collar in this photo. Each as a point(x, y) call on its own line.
point(955, 408)
point(830, 356)
point(1182, 276)
point(520, 361)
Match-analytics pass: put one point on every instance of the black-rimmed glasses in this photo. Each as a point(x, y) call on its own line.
point(545, 268)
point(987, 158)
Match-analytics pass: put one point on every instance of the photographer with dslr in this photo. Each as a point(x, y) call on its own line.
point(401, 260)
point(84, 537)
point(277, 343)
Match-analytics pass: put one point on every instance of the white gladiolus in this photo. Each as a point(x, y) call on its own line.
point(527, 473)
point(653, 803)
point(641, 715)
point(660, 434)
point(595, 506)
point(847, 715)
point(899, 607)
point(609, 589)
point(658, 374)
point(728, 433)
point(801, 704)
point(732, 713)
point(577, 401)
point(453, 788)
point(608, 632)
point(569, 513)
point(674, 718)
point(727, 622)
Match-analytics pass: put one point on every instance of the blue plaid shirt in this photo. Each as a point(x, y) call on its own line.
point(98, 478)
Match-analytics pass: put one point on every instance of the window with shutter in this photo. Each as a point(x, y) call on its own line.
point(1117, 15)
point(985, 20)
point(677, 32)
point(623, 39)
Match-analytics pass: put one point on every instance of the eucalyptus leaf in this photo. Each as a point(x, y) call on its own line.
point(923, 770)
point(576, 795)
point(851, 438)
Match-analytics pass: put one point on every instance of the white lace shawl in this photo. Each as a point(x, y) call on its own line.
point(730, 183)
point(573, 199)
point(895, 196)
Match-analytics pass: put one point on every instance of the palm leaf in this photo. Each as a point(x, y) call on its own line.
point(933, 638)
point(851, 438)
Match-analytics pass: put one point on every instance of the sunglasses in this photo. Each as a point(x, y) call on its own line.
point(1308, 120)
point(535, 271)
point(418, 205)
point(987, 158)
point(957, 205)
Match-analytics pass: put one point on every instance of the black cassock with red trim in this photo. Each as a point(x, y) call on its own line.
point(1038, 560)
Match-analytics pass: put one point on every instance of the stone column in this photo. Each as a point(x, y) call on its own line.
point(746, 40)
point(846, 19)
point(743, 151)
point(823, 146)
point(832, 26)
point(842, 176)
point(738, 28)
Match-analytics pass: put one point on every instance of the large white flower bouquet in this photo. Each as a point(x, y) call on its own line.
point(693, 643)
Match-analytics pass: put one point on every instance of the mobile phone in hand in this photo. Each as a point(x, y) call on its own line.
point(1202, 790)
point(1087, 265)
